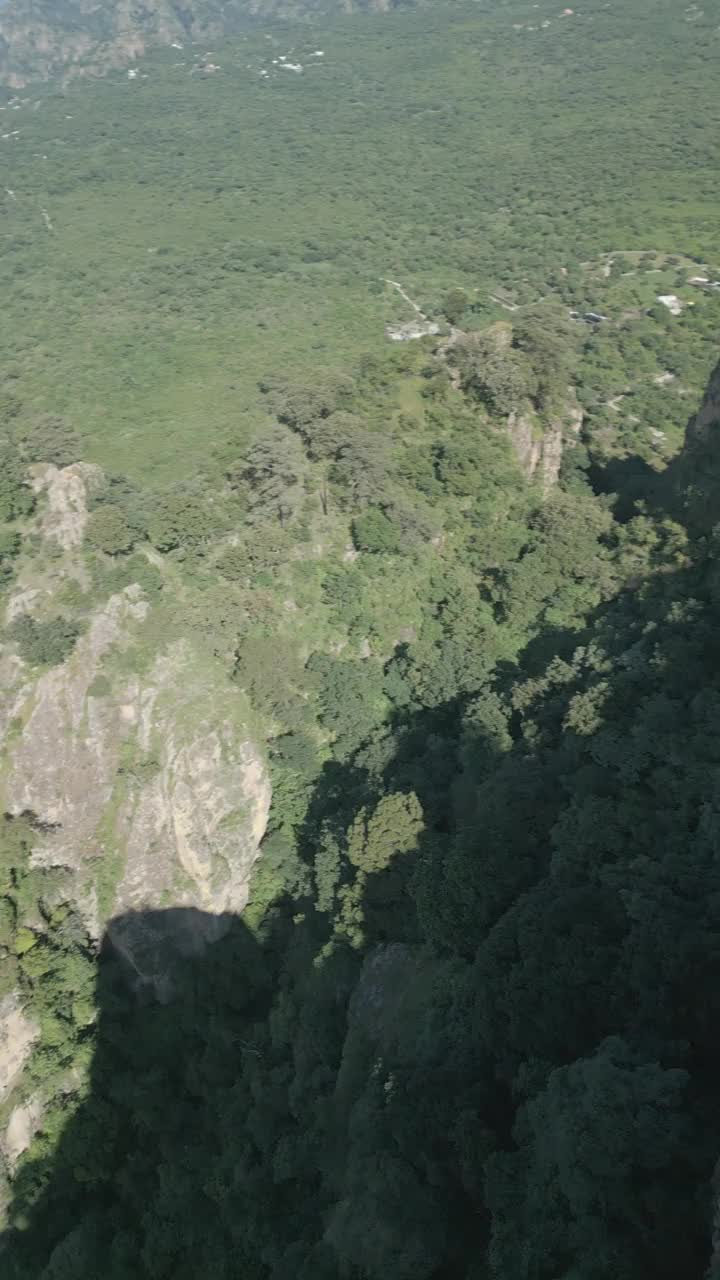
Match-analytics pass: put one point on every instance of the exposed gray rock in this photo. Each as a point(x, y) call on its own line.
point(540, 451)
point(411, 330)
point(66, 488)
point(21, 1128)
point(147, 788)
point(62, 766)
point(195, 826)
point(17, 1037)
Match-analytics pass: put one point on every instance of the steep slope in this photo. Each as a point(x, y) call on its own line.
point(158, 789)
point(126, 783)
point(485, 1047)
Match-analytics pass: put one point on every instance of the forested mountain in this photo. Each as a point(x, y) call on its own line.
point(482, 1041)
point(359, 897)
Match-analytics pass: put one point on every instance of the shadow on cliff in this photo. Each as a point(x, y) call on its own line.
point(192, 1128)
point(222, 1095)
point(211, 1140)
point(686, 489)
point(177, 993)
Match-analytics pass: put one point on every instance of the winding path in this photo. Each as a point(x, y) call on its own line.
point(396, 285)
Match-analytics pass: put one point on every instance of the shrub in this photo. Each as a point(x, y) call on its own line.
point(16, 497)
point(9, 548)
point(43, 644)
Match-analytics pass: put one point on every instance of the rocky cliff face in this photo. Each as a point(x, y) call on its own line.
point(150, 785)
point(540, 451)
point(17, 1036)
point(38, 41)
point(44, 38)
point(473, 361)
point(142, 781)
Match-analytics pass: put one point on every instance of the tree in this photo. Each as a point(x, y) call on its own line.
point(374, 532)
point(260, 551)
point(9, 548)
point(455, 304)
point(326, 437)
point(269, 473)
point(564, 569)
point(387, 1224)
point(182, 520)
point(345, 592)
point(43, 643)
point(492, 370)
point(535, 968)
point(107, 530)
point(298, 404)
point(362, 468)
point(548, 338)
point(350, 697)
point(392, 828)
point(602, 1182)
point(479, 464)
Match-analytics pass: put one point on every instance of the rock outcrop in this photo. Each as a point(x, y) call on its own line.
point(540, 452)
point(68, 789)
point(66, 488)
point(18, 1034)
point(135, 767)
point(24, 1122)
point(40, 39)
point(140, 773)
point(195, 824)
point(157, 786)
point(481, 365)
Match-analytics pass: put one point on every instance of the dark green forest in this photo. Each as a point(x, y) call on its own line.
point(463, 589)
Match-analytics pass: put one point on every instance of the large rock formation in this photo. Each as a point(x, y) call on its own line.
point(540, 452)
point(18, 1033)
point(40, 39)
point(65, 514)
point(151, 782)
point(134, 766)
point(485, 367)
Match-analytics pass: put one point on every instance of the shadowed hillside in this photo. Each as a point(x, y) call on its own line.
point(483, 1045)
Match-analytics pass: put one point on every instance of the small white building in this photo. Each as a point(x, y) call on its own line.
point(671, 301)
